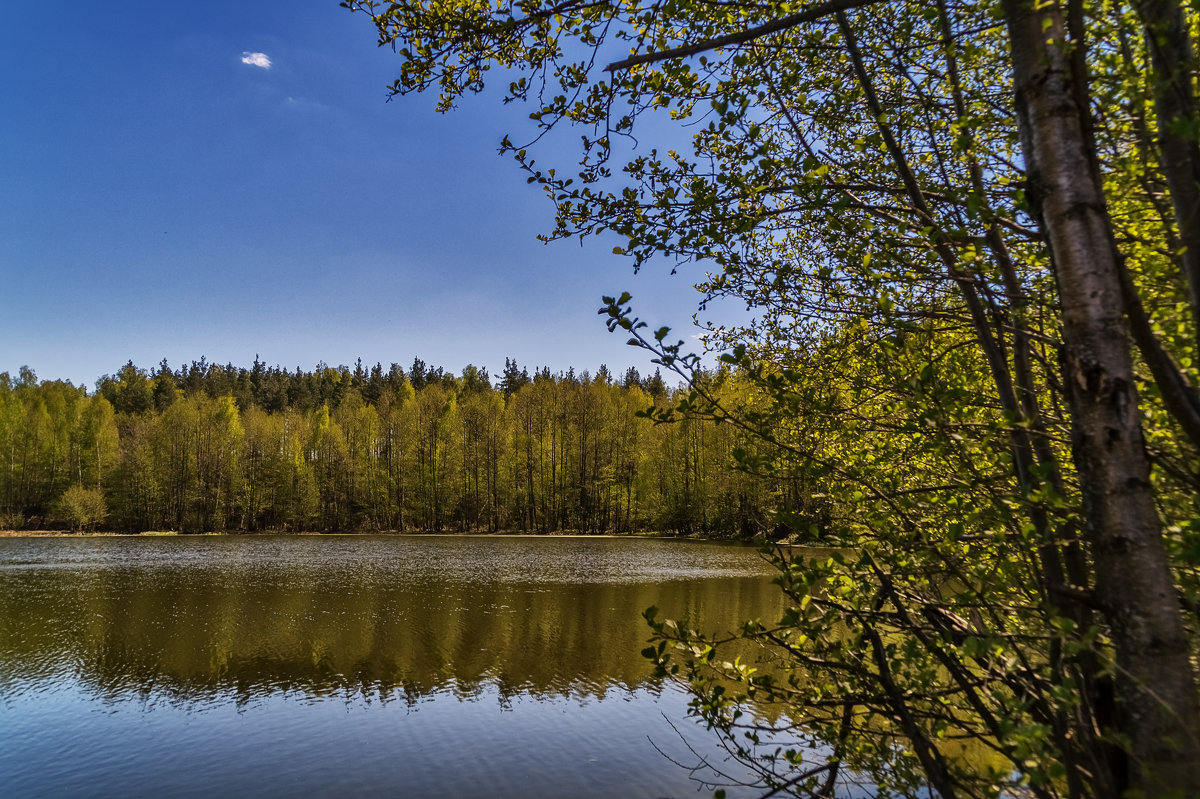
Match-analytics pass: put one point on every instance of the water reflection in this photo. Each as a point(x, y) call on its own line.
point(352, 666)
point(388, 618)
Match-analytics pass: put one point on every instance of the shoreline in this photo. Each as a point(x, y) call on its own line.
point(390, 533)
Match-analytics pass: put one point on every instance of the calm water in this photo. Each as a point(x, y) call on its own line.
point(353, 666)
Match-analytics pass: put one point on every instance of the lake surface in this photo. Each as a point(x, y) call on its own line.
point(354, 666)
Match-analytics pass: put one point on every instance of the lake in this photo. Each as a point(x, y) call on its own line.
point(355, 665)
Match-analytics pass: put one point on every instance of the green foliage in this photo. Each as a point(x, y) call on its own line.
point(83, 508)
point(857, 180)
point(559, 452)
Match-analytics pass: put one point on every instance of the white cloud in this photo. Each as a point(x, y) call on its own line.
point(305, 103)
point(256, 60)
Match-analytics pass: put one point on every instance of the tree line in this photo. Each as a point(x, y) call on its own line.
point(223, 448)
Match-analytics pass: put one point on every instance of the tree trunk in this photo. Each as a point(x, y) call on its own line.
point(1175, 107)
point(1156, 695)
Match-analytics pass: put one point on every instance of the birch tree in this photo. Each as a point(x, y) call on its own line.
point(914, 199)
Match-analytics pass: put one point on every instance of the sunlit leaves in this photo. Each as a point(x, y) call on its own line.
point(856, 185)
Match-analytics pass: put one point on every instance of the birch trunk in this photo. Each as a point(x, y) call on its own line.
point(1156, 693)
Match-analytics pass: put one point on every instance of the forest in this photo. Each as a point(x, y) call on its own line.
point(222, 448)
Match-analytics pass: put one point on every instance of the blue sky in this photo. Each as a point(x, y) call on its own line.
point(162, 198)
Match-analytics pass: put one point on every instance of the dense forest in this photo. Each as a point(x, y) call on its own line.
point(211, 448)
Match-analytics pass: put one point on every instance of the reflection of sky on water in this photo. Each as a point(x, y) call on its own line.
point(65, 743)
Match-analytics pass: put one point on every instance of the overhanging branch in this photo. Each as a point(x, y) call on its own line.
point(807, 15)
